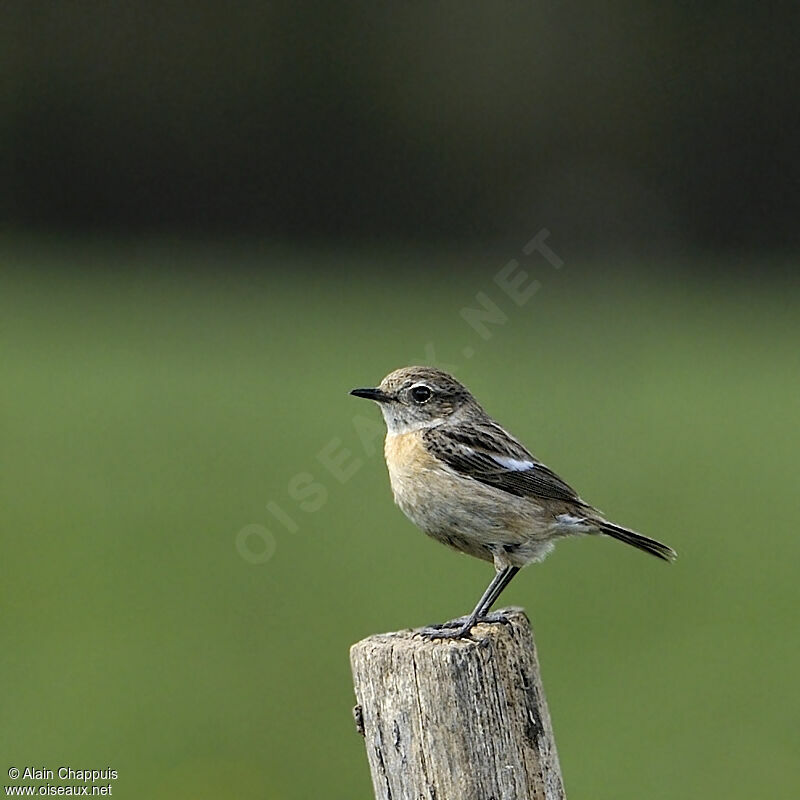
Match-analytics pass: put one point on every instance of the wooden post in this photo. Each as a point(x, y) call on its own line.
point(456, 720)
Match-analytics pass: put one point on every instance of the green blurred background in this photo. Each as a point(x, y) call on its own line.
point(215, 223)
point(151, 416)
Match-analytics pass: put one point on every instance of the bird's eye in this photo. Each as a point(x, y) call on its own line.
point(421, 394)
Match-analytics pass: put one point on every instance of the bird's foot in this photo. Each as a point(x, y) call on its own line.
point(443, 632)
point(458, 622)
point(460, 627)
point(496, 617)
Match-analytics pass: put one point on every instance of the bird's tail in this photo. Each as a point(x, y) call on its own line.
point(651, 546)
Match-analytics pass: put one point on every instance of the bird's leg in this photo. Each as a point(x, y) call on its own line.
point(488, 602)
point(489, 599)
point(458, 628)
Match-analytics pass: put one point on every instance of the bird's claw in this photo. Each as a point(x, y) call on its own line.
point(496, 617)
point(460, 627)
point(458, 622)
point(442, 632)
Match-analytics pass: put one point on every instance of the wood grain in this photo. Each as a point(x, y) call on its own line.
point(456, 720)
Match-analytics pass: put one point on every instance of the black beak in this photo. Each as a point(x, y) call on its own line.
point(371, 394)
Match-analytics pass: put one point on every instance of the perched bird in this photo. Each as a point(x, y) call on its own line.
point(467, 482)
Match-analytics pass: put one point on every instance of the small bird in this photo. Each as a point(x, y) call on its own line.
point(465, 481)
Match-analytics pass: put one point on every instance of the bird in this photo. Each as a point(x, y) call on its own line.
point(468, 483)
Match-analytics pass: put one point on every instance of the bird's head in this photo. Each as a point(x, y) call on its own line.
point(414, 398)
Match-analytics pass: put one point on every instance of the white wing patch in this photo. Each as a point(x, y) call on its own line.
point(514, 464)
point(573, 523)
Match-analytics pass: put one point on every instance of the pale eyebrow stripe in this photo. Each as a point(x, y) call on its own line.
point(514, 464)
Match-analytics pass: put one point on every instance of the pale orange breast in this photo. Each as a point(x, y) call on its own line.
point(411, 467)
point(463, 513)
point(405, 452)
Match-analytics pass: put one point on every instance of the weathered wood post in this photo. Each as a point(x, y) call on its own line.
point(456, 720)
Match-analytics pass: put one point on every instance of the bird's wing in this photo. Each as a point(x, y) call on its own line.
point(485, 452)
